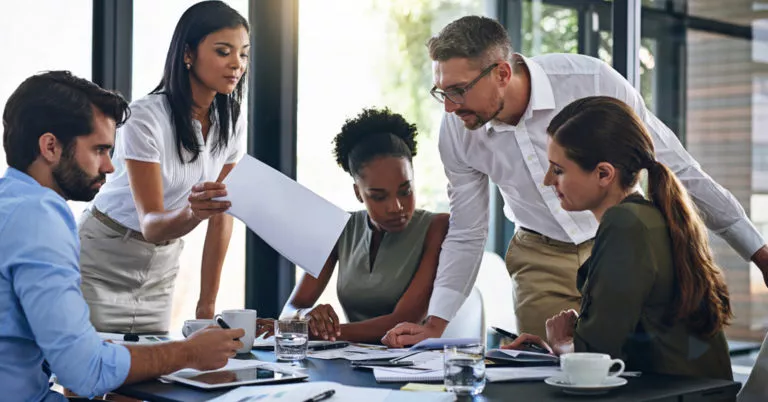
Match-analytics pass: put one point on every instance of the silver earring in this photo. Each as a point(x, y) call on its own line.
point(188, 66)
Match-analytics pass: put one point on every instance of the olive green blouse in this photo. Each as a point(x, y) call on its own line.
point(627, 286)
point(367, 291)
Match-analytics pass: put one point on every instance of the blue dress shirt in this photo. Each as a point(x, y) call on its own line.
point(44, 315)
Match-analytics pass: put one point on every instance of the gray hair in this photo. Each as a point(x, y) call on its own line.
point(479, 39)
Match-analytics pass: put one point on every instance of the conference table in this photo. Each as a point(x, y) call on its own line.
point(647, 387)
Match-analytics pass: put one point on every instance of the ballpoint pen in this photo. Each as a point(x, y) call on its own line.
point(131, 338)
point(223, 324)
point(336, 345)
point(321, 397)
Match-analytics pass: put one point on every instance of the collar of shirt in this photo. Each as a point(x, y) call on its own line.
point(14, 174)
point(542, 96)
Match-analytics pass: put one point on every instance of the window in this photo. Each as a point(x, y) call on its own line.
point(708, 82)
point(41, 50)
point(153, 25)
point(385, 63)
point(554, 27)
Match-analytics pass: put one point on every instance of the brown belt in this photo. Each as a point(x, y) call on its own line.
point(119, 228)
point(549, 239)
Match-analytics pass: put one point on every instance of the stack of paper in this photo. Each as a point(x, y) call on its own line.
point(358, 351)
point(342, 393)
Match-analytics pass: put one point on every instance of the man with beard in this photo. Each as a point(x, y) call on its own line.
point(58, 133)
point(498, 105)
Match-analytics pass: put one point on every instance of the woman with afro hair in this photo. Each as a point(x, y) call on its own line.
point(388, 252)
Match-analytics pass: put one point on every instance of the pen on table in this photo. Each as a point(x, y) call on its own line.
point(337, 345)
point(321, 397)
point(131, 338)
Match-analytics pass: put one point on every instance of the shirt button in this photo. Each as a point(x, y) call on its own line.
point(530, 157)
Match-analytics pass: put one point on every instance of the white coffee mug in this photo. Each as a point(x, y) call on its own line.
point(589, 369)
point(192, 326)
point(245, 319)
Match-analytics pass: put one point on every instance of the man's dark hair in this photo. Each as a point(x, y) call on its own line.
point(479, 39)
point(54, 102)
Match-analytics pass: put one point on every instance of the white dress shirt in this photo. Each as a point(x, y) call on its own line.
point(515, 158)
point(148, 136)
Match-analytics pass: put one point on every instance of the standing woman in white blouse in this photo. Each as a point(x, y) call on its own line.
point(170, 157)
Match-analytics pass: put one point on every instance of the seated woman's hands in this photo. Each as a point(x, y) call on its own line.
point(323, 322)
point(525, 339)
point(560, 331)
point(265, 326)
point(559, 334)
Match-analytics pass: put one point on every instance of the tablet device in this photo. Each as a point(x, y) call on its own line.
point(235, 377)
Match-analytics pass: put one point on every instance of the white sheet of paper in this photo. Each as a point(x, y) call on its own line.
point(501, 374)
point(357, 352)
point(303, 391)
point(299, 224)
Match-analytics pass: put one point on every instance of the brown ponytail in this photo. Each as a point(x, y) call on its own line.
point(603, 129)
point(702, 298)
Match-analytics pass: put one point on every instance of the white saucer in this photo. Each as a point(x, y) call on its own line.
point(560, 381)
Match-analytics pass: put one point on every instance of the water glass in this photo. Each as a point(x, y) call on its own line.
point(291, 339)
point(464, 369)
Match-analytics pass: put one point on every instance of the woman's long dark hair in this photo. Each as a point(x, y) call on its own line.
point(195, 24)
point(603, 129)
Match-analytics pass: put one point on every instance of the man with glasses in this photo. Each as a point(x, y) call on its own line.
point(498, 105)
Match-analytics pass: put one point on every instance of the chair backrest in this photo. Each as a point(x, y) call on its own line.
point(756, 387)
point(495, 284)
point(469, 321)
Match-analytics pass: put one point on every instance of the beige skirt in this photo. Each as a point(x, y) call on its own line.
point(127, 283)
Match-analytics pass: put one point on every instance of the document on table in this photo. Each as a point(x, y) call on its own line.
point(299, 224)
point(142, 339)
point(358, 351)
point(342, 393)
point(428, 366)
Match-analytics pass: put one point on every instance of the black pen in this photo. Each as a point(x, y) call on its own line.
point(222, 323)
point(325, 395)
point(335, 345)
point(131, 338)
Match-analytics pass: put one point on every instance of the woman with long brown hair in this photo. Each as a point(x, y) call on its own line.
point(651, 291)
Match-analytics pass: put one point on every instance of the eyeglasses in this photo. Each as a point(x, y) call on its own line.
point(456, 95)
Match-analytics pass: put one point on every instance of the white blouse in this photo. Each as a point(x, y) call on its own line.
point(149, 136)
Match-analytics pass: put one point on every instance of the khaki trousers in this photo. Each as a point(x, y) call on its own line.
point(127, 283)
point(543, 273)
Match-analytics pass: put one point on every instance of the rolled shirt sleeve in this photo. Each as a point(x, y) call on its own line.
point(46, 280)
point(463, 247)
point(721, 211)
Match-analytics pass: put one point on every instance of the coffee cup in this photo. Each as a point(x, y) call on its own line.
point(245, 319)
point(589, 369)
point(192, 326)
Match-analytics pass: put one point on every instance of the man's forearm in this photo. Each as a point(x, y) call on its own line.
point(436, 324)
point(152, 361)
